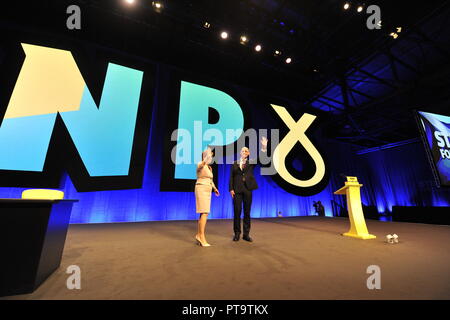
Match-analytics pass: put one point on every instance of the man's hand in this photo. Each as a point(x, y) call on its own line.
point(264, 144)
point(232, 193)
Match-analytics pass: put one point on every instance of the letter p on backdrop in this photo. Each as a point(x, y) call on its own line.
point(195, 101)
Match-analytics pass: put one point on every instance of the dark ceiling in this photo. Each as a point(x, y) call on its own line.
point(366, 80)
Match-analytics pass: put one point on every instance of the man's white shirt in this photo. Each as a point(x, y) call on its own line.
point(241, 162)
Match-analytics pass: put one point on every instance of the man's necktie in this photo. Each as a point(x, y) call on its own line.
point(243, 168)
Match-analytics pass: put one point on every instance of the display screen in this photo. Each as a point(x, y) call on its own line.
point(435, 130)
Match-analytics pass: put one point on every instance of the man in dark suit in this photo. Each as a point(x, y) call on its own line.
point(242, 183)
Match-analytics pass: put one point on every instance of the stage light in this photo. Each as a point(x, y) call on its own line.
point(288, 60)
point(389, 238)
point(258, 48)
point(158, 6)
point(206, 25)
point(346, 6)
point(392, 238)
point(395, 238)
point(224, 35)
point(360, 9)
point(129, 1)
point(243, 39)
point(394, 35)
point(277, 53)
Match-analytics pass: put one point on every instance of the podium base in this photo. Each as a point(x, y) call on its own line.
point(359, 236)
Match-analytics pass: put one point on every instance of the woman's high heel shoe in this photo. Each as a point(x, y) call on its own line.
point(200, 243)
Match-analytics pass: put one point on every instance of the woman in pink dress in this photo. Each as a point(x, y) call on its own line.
point(203, 188)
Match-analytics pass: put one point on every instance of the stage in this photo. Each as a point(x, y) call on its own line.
point(291, 258)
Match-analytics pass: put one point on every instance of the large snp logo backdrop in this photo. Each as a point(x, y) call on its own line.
point(53, 122)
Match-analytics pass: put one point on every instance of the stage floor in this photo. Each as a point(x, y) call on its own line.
point(291, 258)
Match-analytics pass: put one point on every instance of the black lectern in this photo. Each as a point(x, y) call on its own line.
point(32, 237)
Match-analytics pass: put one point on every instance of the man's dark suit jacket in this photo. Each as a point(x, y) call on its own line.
point(240, 178)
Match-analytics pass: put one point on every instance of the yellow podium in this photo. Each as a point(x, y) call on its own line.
point(358, 228)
